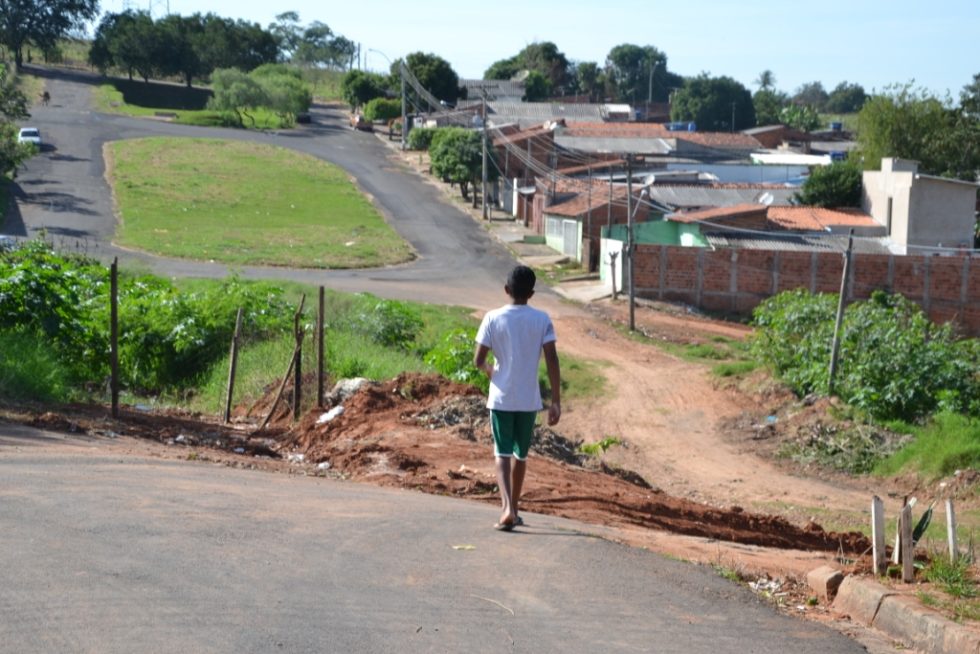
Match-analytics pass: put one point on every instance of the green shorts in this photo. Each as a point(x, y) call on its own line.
point(512, 432)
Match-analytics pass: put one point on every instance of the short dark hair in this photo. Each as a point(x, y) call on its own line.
point(521, 282)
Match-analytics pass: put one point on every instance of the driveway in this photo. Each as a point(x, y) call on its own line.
point(110, 551)
point(64, 192)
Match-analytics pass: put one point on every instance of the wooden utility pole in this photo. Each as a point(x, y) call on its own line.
point(320, 332)
point(114, 336)
point(233, 365)
point(835, 347)
point(486, 212)
point(630, 245)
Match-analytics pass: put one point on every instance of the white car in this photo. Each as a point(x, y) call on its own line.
point(30, 135)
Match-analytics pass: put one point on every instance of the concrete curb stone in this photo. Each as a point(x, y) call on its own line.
point(903, 618)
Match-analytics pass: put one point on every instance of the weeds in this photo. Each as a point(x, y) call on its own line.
point(598, 448)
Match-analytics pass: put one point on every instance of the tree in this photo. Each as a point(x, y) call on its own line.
point(434, 73)
point(237, 92)
point(13, 106)
point(970, 97)
point(536, 87)
point(285, 94)
point(801, 117)
point(360, 87)
point(628, 70)
point(545, 58)
point(590, 80)
point(913, 124)
point(768, 105)
point(183, 35)
point(41, 22)
point(287, 33)
point(811, 93)
point(457, 155)
point(382, 109)
point(130, 41)
point(846, 98)
point(503, 69)
point(836, 185)
point(714, 103)
point(314, 45)
point(766, 80)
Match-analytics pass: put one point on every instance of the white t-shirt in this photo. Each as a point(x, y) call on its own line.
point(515, 333)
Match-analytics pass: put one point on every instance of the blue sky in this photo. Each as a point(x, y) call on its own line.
point(871, 42)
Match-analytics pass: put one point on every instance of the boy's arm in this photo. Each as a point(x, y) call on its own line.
point(554, 380)
point(480, 360)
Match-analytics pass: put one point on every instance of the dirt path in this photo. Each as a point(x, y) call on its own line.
point(672, 415)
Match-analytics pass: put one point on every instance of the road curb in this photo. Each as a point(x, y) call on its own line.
point(903, 619)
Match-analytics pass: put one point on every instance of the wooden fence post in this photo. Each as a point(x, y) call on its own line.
point(878, 535)
point(908, 571)
point(298, 368)
point(233, 364)
point(320, 332)
point(114, 336)
point(954, 551)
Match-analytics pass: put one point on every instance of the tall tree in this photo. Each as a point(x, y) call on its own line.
point(183, 56)
point(503, 69)
point(836, 185)
point(714, 103)
point(434, 73)
point(766, 80)
point(13, 106)
point(768, 105)
point(913, 124)
point(846, 98)
point(813, 94)
point(287, 32)
point(130, 41)
point(41, 22)
point(360, 87)
point(638, 73)
point(590, 80)
point(536, 87)
point(970, 97)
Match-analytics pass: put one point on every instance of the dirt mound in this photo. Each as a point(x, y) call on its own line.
point(423, 432)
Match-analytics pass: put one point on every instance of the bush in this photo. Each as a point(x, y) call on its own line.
point(382, 109)
point(420, 138)
point(453, 358)
point(29, 370)
point(894, 363)
point(836, 185)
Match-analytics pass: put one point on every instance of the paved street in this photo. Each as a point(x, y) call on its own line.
point(107, 552)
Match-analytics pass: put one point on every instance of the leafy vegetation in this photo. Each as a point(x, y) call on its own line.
point(946, 443)
point(894, 363)
point(382, 109)
point(214, 199)
point(457, 157)
point(599, 447)
point(836, 185)
point(20, 24)
point(420, 138)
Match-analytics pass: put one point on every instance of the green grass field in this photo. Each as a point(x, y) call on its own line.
point(245, 203)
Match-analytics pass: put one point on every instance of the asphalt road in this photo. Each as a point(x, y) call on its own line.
point(64, 192)
point(104, 552)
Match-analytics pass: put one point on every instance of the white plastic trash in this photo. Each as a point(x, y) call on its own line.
point(330, 415)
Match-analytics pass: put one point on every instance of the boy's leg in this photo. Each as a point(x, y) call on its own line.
point(523, 431)
point(506, 493)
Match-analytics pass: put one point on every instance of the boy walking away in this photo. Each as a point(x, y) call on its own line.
point(516, 334)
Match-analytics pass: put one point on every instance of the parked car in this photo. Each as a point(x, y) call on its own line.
point(358, 121)
point(30, 135)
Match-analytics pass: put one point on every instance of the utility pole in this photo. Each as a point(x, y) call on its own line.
point(630, 245)
point(733, 118)
point(835, 347)
point(401, 73)
point(486, 211)
point(653, 67)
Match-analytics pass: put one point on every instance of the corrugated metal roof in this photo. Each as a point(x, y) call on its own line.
point(681, 196)
point(656, 146)
point(537, 113)
point(797, 243)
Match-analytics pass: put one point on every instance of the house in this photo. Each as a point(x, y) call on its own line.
point(773, 137)
point(920, 211)
point(496, 89)
point(655, 139)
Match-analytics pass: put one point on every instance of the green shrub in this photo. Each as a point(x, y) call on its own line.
point(894, 363)
point(453, 358)
point(382, 109)
point(29, 370)
point(420, 138)
point(947, 443)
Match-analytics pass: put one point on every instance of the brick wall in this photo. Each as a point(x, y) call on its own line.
point(735, 281)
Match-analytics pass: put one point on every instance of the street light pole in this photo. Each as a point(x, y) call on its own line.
point(653, 67)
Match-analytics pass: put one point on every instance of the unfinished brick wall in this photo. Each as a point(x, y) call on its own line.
point(735, 281)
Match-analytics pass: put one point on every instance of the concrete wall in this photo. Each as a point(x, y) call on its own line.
point(735, 281)
point(925, 211)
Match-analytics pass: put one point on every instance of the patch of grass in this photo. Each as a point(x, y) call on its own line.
point(734, 368)
point(556, 273)
point(948, 442)
point(144, 100)
point(30, 371)
point(30, 85)
point(705, 351)
point(598, 448)
point(953, 577)
point(580, 378)
point(216, 200)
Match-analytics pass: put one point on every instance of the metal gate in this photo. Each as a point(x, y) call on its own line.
point(570, 238)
